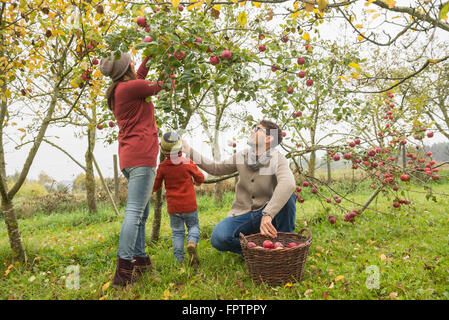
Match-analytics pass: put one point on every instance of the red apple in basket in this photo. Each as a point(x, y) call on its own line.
point(267, 244)
point(251, 244)
point(278, 245)
point(292, 244)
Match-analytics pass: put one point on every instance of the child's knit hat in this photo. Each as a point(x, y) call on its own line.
point(171, 143)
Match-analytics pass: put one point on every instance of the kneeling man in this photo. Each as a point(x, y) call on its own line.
point(264, 199)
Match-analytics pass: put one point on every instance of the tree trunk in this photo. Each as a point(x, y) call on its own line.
point(13, 231)
point(218, 194)
point(90, 177)
point(157, 211)
point(312, 164)
point(329, 170)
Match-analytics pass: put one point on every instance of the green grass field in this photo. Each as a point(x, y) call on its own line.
point(407, 248)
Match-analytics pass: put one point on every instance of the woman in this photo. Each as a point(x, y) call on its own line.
point(138, 150)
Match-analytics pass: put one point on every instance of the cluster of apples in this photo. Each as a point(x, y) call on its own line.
point(301, 61)
point(180, 55)
point(101, 127)
point(268, 244)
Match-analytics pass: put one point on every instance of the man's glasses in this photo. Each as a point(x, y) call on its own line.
point(257, 128)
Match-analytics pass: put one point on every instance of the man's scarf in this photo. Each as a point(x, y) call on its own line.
point(256, 161)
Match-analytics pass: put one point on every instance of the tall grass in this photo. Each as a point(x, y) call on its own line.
point(406, 248)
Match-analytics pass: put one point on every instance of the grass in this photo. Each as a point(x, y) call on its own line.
point(408, 247)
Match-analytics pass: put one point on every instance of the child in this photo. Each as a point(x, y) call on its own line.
point(177, 172)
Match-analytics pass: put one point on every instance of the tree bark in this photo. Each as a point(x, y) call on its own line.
point(12, 226)
point(90, 177)
point(157, 212)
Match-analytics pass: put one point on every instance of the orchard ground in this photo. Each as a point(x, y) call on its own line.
point(406, 249)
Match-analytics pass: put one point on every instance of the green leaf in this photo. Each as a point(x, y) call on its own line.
point(444, 11)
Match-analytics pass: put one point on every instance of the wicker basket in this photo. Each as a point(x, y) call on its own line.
point(276, 267)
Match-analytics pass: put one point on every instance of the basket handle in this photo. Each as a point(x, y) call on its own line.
point(308, 233)
point(242, 238)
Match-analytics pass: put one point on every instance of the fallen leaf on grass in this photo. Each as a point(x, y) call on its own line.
point(308, 292)
point(338, 278)
point(325, 295)
point(8, 270)
point(106, 286)
point(31, 279)
point(331, 285)
point(103, 297)
point(402, 288)
point(393, 295)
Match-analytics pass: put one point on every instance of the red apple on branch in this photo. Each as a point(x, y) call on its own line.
point(214, 60)
point(226, 55)
point(141, 22)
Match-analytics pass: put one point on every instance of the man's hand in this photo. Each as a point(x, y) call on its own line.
point(266, 228)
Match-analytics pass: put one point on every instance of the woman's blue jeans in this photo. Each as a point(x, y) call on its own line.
point(177, 221)
point(225, 236)
point(132, 234)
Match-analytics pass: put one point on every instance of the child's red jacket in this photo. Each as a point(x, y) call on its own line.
point(180, 193)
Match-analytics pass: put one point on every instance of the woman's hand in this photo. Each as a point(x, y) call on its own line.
point(267, 228)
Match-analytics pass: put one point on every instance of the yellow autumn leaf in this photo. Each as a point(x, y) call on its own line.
point(377, 15)
point(338, 278)
point(22, 130)
point(287, 285)
point(8, 270)
point(74, 84)
point(390, 3)
point(341, 77)
point(354, 65)
point(175, 3)
point(242, 4)
point(97, 74)
point(235, 1)
point(309, 6)
point(196, 4)
point(371, 10)
point(355, 75)
point(360, 38)
point(242, 19)
point(322, 5)
point(106, 286)
point(358, 26)
point(104, 297)
point(367, 3)
point(217, 7)
point(257, 4)
point(305, 36)
point(382, 257)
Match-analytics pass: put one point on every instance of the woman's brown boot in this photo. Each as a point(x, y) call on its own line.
point(142, 265)
point(124, 273)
